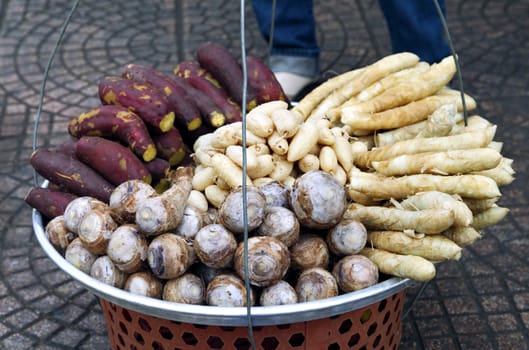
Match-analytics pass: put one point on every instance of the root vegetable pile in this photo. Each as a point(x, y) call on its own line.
point(373, 174)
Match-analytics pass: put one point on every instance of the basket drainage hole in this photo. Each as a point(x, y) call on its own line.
point(123, 328)
point(377, 341)
point(334, 346)
point(189, 338)
point(166, 333)
point(126, 315)
point(345, 326)
point(270, 343)
point(297, 339)
point(139, 338)
point(355, 338)
point(215, 343)
point(144, 324)
point(242, 344)
point(372, 329)
point(157, 346)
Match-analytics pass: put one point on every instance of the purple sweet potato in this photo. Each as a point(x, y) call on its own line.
point(187, 115)
point(170, 145)
point(72, 174)
point(202, 80)
point(223, 66)
point(50, 203)
point(212, 115)
point(118, 122)
point(113, 161)
point(142, 99)
point(263, 81)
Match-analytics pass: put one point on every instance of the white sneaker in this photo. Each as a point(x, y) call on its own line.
point(292, 83)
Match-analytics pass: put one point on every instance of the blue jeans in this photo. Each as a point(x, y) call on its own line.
point(414, 26)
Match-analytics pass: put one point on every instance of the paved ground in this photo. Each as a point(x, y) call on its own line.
point(480, 302)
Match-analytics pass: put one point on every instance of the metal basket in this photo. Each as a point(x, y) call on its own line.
point(369, 318)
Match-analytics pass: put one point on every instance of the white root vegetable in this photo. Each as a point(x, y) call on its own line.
point(308, 163)
point(80, 257)
point(462, 235)
point(489, 217)
point(431, 247)
point(95, 229)
point(58, 234)
point(230, 172)
point(277, 143)
point(235, 153)
point(231, 134)
point(215, 246)
point(368, 76)
point(186, 289)
point(355, 272)
point(303, 141)
point(126, 197)
point(451, 162)
point(427, 221)
point(405, 266)
point(265, 165)
point(259, 123)
point(315, 284)
point(282, 167)
point(198, 200)
point(78, 208)
point(104, 270)
point(127, 248)
point(286, 122)
point(144, 283)
point(280, 293)
point(309, 251)
point(169, 255)
point(163, 213)
point(268, 260)
point(215, 195)
point(479, 205)
point(502, 174)
point(318, 200)
point(276, 193)
point(227, 290)
point(232, 209)
point(203, 177)
point(328, 160)
point(192, 221)
point(435, 199)
point(348, 237)
point(380, 187)
point(281, 223)
point(470, 140)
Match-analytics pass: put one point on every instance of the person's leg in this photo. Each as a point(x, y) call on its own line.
point(414, 26)
point(295, 52)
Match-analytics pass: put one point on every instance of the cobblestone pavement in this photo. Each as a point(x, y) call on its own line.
point(480, 302)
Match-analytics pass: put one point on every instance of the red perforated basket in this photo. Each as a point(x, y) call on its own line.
point(377, 326)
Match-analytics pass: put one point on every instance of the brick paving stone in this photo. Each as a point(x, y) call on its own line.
point(479, 302)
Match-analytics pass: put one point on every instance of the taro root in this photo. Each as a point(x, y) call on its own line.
point(268, 260)
point(126, 197)
point(58, 234)
point(355, 272)
point(170, 255)
point(191, 222)
point(186, 289)
point(162, 213)
point(281, 223)
point(95, 229)
point(276, 193)
point(310, 251)
point(227, 290)
point(316, 283)
point(104, 270)
point(80, 257)
point(231, 210)
point(127, 248)
point(280, 293)
point(348, 237)
point(215, 246)
point(318, 200)
point(207, 273)
point(78, 208)
point(144, 283)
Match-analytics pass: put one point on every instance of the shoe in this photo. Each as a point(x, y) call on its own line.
point(291, 83)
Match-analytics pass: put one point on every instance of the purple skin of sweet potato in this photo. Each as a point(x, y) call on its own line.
point(263, 81)
point(50, 203)
point(223, 66)
point(170, 145)
point(72, 174)
point(118, 122)
point(114, 162)
point(187, 115)
point(142, 99)
point(212, 114)
point(158, 168)
point(202, 80)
